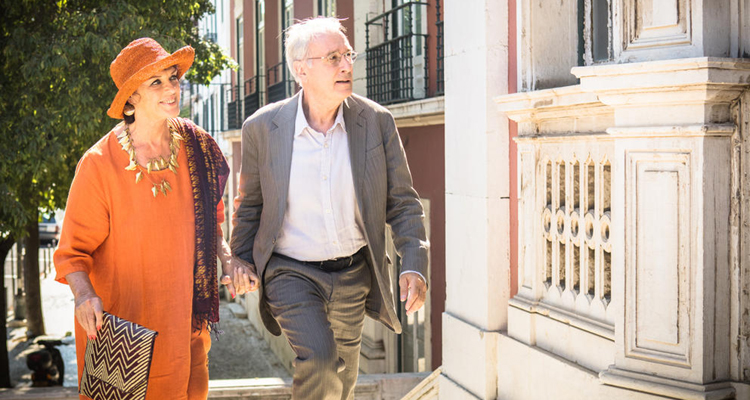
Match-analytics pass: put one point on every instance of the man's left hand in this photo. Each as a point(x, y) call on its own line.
point(239, 276)
point(413, 291)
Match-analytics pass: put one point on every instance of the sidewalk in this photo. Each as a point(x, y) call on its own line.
point(239, 353)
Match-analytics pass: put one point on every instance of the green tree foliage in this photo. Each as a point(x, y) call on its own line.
point(55, 86)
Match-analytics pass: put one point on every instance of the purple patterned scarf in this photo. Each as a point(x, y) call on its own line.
point(208, 177)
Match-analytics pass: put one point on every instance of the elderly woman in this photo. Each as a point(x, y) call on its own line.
point(141, 231)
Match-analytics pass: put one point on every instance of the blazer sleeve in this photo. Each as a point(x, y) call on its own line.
point(248, 204)
point(404, 211)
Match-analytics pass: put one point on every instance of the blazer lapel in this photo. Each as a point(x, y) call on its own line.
point(356, 127)
point(280, 142)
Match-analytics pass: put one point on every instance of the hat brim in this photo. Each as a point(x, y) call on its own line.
point(182, 58)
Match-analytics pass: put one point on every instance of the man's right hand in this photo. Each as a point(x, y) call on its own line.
point(239, 277)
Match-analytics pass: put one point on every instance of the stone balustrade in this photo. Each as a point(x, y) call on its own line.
point(574, 269)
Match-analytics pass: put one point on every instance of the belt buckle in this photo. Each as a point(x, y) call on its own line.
point(328, 265)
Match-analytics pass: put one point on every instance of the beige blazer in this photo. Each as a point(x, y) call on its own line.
point(382, 182)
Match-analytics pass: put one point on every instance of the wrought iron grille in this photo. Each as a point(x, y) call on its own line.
point(279, 85)
point(253, 95)
point(440, 68)
point(234, 108)
point(390, 60)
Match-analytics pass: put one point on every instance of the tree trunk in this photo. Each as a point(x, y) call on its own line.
point(5, 246)
point(4, 363)
point(34, 318)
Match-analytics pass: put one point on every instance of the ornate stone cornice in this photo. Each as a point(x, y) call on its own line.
point(686, 91)
point(564, 110)
point(430, 111)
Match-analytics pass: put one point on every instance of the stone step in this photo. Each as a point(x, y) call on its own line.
point(428, 389)
point(237, 309)
point(369, 387)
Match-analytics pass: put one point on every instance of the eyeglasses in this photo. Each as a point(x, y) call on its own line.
point(334, 59)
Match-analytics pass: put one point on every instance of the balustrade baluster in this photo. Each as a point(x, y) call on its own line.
point(575, 258)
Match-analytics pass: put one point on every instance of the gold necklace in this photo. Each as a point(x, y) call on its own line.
point(153, 164)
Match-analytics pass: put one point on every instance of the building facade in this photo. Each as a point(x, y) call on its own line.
point(400, 66)
point(587, 162)
point(206, 105)
point(596, 200)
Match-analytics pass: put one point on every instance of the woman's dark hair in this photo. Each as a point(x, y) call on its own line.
point(129, 119)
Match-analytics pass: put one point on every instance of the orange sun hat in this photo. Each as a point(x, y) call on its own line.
point(137, 62)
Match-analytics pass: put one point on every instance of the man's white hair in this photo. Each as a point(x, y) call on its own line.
point(299, 36)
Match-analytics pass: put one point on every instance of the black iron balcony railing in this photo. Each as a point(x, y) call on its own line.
point(278, 82)
point(241, 105)
point(440, 70)
point(234, 108)
point(253, 95)
point(390, 62)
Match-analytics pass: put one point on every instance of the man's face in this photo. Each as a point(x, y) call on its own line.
point(323, 79)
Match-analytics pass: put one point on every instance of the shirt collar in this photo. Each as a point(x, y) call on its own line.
point(300, 123)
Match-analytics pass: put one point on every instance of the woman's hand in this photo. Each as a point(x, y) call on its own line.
point(89, 313)
point(239, 276)
point(89, 308)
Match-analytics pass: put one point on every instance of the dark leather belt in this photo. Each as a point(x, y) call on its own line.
point(334, 265)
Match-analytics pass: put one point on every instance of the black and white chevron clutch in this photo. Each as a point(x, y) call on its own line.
point(116, 364)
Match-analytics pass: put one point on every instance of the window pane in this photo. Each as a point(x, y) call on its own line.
point(600, 34)
point(418, 28)
point(327, 8)
point(261, 13)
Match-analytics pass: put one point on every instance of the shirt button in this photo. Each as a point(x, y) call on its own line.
point(328, 211)
point(335, 242)
point(325, 145)
point(325, 177)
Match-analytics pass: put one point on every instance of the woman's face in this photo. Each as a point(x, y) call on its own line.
point(158, 97)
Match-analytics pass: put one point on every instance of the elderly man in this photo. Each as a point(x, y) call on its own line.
point(322, 173)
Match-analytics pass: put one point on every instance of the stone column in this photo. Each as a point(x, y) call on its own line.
point(477, 203)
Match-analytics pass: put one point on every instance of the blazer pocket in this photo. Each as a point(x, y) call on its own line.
point(375, 153)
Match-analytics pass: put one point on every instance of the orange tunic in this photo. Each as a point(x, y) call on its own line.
point(139, 252)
